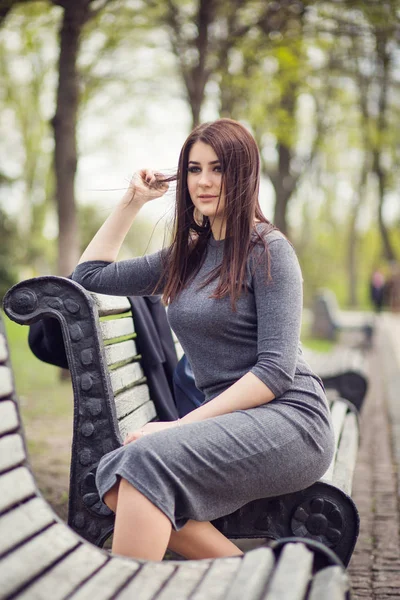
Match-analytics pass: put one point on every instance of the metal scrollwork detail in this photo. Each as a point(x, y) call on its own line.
point(319, 519)
point(90, 495)
point(24, 302)
point(71, 306)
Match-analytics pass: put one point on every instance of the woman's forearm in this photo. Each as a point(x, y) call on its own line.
point(106, 244)
point(247, 392)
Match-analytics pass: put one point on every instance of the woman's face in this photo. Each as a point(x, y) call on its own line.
point(204, 180)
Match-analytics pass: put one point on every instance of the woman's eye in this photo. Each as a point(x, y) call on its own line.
point(193, 170)
point(218, 169)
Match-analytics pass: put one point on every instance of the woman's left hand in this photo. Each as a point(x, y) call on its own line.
point(149, 428)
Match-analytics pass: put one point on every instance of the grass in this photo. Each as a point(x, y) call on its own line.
point(46, 406)
point(40, 390)
point(318, 345)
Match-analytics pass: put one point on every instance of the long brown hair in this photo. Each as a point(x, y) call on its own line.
point(238, 154)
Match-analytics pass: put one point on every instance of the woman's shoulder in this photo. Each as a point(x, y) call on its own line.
point(267, 233)
point(271, 245)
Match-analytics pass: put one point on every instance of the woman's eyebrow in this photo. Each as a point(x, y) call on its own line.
point(212, 162)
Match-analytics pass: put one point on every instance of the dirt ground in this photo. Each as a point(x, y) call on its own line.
point(49, 449)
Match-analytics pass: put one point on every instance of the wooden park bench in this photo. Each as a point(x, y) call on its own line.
point(328, 321)
point(111, 398)
point(41, 558)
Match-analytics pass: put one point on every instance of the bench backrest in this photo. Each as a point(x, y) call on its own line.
point(133, 404)
point(110, 392)
point(325, 315)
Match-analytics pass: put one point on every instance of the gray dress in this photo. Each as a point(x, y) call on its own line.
point(209, 469)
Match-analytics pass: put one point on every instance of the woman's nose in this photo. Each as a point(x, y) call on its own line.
point(205, 179)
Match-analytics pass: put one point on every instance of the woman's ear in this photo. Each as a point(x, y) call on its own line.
point(198, 217)
point(200, 223)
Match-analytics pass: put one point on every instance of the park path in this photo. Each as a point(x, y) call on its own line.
point(375, 565)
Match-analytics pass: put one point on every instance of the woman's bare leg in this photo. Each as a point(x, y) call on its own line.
point(111, 497)
point(196, 540)
point(141, 529)
point(200, 539)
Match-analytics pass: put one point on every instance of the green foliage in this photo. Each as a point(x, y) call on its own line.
point(9, 246)
point(142, 238)
point(300, 80)
point(318, 345)
point(28, 54)
point(324, 262)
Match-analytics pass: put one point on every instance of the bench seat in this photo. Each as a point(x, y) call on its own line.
point(111, 397)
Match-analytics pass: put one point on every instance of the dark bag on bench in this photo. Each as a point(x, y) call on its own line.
point(187, 396)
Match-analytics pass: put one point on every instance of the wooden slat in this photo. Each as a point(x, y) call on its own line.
point(23, 522)
point(12, 451)
point(3, 349)
point(252, 576)
point(346, 455)
point(120, 352)
point(117, 328)
point(111, 305)
point(149, 580)
point(6, 382)
point(184, 580)
point(125, 376)
point(137, 419)
point(107, 581)
point(128, 401)
point(178, 348)
point(8, 417)
point(217, 580)
point(28, 561)
point(331, 583)
point(338, 414)
point(16, 486)
point(292, 575)
point(64, 577)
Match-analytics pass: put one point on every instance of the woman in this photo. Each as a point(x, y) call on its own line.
point(234, 289)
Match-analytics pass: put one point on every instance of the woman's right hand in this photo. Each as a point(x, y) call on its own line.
point(144, 186)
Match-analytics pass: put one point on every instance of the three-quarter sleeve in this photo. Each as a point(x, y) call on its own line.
point(142, 276)
point(279, 304)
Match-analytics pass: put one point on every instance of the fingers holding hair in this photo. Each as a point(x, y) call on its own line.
point(146, 185)
point(153, 180)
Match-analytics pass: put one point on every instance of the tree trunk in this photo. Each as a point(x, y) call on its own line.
point(284, 184)
point(64, 123)
point(196, 100)
point(380, 175)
